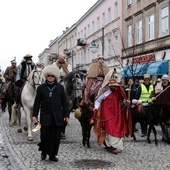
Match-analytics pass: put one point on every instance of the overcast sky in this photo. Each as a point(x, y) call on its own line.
point(27, 26)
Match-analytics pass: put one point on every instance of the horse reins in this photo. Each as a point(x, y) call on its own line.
point(39, 74)
point(162, 91)
point(112, 116)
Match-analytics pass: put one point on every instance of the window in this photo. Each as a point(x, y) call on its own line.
point(139, 31)
point(129, 31)
point(164, 21)
point(151, 27)
point(103, 19)
point(109, 15)
point(84, 32)
point(93, 27)
point(115, 44)
point(98, 23)
point(129, 2)
point(88, 29)
point(81, 33)
point(115, 10)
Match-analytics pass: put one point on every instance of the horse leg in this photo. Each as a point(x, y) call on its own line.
point(29, 122)
point(155, 134)
point(88, 136)
point(9, 110)
point(19, 120)
point(13, 117)
point(25, 121)
point(133, 134)
point(84, 136)
point(149, 132)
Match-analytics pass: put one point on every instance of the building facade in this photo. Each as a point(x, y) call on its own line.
point(101, 24)
point(133, 35)
point(146, 38)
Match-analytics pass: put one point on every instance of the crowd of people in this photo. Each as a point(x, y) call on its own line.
point(110, 101)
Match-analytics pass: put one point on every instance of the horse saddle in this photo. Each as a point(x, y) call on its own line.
point(5, 87)
point(19, 83)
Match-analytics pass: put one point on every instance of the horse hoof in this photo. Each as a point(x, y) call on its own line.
point(19, 130)
point(10, 124)
point(30, 138)
point(25, 128)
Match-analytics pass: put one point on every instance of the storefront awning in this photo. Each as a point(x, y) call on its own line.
point(158, 68)
point(136, 70)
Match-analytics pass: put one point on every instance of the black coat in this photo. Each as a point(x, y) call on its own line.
point(51, 107)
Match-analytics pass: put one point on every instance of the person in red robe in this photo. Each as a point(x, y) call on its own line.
point(111, 113)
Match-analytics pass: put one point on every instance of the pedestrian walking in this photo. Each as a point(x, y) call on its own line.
point(52, 103)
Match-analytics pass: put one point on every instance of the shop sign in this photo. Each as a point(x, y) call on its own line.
point(143, 59)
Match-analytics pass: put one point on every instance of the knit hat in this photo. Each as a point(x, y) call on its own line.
point(51, 70)
point(165, 77)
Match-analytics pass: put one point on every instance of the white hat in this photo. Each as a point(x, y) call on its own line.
point(51, 70)
point(38, 64)
point(100, 56)
point(165, 77)
point(146, 76)
point(13, 62)
point(158, 79)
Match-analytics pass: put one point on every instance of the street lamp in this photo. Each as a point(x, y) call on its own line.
point(94, 46)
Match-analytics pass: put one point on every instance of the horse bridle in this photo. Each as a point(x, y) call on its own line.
point(39, 72)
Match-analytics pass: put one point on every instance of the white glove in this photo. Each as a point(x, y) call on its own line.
point(153, 98)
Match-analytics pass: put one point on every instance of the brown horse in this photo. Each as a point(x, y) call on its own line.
point(9, 95)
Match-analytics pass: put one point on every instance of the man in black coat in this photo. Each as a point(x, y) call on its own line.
point(52, 102)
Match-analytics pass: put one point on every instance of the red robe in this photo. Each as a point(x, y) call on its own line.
point(113, 114)
point(117, 124)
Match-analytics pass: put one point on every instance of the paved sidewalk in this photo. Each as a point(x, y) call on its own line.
point(16, 153)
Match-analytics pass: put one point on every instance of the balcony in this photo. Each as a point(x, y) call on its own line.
point(81, 42)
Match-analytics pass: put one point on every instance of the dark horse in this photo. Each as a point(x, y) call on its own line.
point(86, 114)
point(9, 95)
point(147, 114)
point(73, 84)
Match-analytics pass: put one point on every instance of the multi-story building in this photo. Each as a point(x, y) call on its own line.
point(101, 26)
point(146, 38)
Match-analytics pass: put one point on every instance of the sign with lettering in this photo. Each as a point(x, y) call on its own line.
point(143, 59)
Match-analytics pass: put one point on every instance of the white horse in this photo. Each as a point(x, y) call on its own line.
point(27, 100)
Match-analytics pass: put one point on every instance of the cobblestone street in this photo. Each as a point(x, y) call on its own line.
point(16, 153)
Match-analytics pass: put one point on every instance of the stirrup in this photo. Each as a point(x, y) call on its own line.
point(16, 106)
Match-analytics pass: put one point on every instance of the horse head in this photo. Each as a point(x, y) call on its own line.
point(87, 111)
point(78, 81)
point(35, 77)
point(73, 83)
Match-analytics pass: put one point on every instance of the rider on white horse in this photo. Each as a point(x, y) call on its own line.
point(24, 69)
